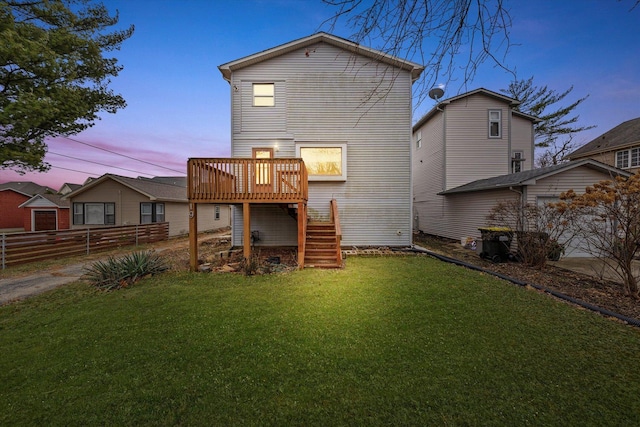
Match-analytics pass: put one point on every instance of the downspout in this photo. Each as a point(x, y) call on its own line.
point(521, 194)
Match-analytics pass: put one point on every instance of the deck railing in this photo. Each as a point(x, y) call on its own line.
point(247, 180)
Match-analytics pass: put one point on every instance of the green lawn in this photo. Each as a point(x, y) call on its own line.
point(387, 341)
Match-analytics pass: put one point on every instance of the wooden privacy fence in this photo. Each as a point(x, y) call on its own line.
point(20, 248)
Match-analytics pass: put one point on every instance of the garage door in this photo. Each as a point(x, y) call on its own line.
point(44, 220)
point(577, 247)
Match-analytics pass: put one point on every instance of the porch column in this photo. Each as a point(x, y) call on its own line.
point(302, 237)
point(193, 236)
point(246, 241)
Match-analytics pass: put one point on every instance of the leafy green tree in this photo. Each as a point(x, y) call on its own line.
point(557, 127)
point(54, 76)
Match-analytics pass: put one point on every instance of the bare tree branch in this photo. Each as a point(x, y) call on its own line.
point(446, 36)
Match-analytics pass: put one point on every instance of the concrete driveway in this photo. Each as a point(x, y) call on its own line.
point(593, 267)
point(14, 288)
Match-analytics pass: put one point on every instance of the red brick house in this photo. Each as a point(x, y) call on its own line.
point(45, 212)
point(12, 195)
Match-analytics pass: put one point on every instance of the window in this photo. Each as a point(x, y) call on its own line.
point(216, 213)
point(94, 213)
point(151, 212)
point(264, 95)
point(628, 158)
point(324, 162)
point(419, 139)
point(495, 124)
point(516, 161)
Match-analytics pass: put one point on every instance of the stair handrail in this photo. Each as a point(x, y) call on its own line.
point(335, 218)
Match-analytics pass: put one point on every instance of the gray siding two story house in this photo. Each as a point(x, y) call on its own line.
point(474, 150)
point(344, 111)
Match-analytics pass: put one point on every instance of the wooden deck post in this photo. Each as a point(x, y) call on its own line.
point(302, 237)
point(193, 236)
point(246, 241)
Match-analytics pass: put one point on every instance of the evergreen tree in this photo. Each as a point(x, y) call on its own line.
point(53, 74)
point(557, 127)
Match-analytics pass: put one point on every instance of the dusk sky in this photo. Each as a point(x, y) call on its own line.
point(179, 104)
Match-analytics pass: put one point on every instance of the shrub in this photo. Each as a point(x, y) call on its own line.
point(121, 272)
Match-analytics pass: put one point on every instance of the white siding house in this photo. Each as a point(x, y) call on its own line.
point(346, 111)
point(463, 167)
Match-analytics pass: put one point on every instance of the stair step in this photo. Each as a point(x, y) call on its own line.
point(321, 245)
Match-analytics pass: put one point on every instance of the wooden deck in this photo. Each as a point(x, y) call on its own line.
point(233, 181)
point(246, 182)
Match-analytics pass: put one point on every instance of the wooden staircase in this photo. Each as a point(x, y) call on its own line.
point(322, 249)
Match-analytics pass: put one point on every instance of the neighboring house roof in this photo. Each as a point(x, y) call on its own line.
point(531, 176)
point(27, 188)
point(482, 91)
point(180, 181)
point(44, 200)
point(229, 67)
point(156, 191)
point(624, 135)
point(68, 188)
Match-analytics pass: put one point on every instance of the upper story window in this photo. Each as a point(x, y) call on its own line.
point(628, 158)
point(516, 161)
point(495, 124)
point(419, 139)
point(264, 95)
point(324, 162)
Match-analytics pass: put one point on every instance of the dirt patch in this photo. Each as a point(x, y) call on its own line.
point(215, 254)
point(601, 293)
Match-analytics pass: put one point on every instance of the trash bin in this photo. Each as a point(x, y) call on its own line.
point(496, 243)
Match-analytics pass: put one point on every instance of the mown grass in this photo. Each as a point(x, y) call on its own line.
point(387, 341)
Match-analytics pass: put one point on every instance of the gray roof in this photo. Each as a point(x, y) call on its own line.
point(56, 199)
point(625, 134)
point(529, 177)
point(27, 188)
point(151, 188)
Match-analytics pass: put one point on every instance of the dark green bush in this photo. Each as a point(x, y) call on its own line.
point(116, 273)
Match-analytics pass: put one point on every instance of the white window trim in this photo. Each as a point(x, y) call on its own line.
point(265, 97)
point(499, 136)
point(514, 160)
point(629, 152)
point(343, 176)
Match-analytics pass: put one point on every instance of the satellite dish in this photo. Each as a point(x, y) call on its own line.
point(436, 93)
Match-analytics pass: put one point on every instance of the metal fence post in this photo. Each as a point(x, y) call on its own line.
point(136, 234)
point(88, 240)
point(3, 249)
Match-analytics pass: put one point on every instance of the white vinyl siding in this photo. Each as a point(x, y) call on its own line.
point(466, 212)
point(324, 97)
point(470, 153)
point(428, 176)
